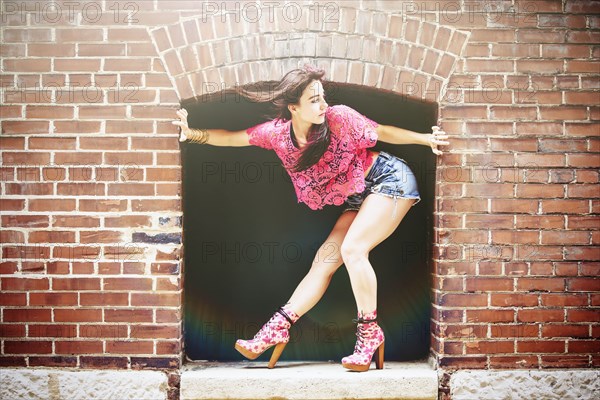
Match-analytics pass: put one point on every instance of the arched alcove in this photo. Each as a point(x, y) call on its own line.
point(404, 54)
point(248, 243)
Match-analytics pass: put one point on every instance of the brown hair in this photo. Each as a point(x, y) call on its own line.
point(288, 91)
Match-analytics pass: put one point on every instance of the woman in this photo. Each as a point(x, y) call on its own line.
point(324, 150)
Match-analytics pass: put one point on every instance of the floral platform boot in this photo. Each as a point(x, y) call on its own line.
point(369, 344)
point(274, 332)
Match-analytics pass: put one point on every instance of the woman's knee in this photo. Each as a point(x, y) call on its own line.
point(352, 253)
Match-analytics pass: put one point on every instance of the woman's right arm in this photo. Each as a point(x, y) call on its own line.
point(215, 137)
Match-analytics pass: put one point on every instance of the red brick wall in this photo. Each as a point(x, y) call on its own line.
point(517, 224)
point(91, 257)
point(91, 224)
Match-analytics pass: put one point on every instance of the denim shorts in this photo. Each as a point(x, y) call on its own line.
point(389, 176)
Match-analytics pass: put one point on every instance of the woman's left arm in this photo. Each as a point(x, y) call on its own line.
point(394, 135)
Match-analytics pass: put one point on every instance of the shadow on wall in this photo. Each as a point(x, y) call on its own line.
point(248, 243)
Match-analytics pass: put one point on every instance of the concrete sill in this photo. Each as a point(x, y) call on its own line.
point(307, 380)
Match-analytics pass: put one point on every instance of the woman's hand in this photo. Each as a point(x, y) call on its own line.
point(183, 124)
point(435, 139)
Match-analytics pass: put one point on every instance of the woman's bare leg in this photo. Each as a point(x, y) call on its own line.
point(372, 225)
point(327, 260)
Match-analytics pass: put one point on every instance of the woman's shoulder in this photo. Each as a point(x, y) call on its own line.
point(267, 133)
point(341, 115)
point(335, 115)
point(342, 112)
point(338, 110)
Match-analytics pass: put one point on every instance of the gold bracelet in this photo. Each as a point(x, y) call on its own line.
point(199, 136)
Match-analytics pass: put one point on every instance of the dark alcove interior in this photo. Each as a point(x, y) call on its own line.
point(248, 242)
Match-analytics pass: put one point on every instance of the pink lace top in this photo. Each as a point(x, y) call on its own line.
point(340, 171)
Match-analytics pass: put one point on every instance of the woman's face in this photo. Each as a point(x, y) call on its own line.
point(312, 104)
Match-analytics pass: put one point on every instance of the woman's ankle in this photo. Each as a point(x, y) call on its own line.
point(371, 315)
point(290, 311)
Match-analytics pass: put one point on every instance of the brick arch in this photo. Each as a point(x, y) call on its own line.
point(406, 55)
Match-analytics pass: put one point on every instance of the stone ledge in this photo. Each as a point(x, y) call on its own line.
point(307, 380)
point(30, 383)
point(526, 384)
